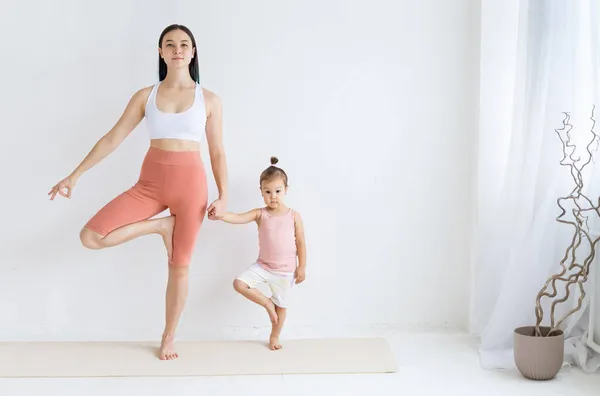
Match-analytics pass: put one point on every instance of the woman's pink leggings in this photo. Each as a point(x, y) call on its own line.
point(168, 179)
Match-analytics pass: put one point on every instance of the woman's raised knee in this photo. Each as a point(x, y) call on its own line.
point(90, 239)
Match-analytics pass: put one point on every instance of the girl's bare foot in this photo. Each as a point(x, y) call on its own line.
point(270, 307)
point(167, 349)
point(166, 227)
point(274, 343)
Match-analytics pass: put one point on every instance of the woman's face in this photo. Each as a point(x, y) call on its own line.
point(177, 50)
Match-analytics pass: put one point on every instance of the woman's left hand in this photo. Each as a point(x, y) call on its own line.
point(216, 209)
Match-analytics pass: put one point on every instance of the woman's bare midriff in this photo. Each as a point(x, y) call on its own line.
point(175, 145)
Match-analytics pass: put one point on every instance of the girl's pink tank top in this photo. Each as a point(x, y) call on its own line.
point(277, 242)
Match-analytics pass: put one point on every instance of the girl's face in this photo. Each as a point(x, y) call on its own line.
point(177, 50)
point(273, 192)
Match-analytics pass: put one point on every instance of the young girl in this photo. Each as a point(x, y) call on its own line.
point(282, 250)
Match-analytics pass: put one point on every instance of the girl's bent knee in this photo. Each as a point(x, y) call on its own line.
point(238, 285)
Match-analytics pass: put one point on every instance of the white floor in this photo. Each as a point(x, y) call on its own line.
point(429, 364)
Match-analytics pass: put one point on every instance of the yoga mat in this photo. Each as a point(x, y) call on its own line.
point(199, 358)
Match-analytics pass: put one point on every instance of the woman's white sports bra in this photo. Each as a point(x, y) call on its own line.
point(187, 125)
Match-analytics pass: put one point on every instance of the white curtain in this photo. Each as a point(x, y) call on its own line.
point(540, 58)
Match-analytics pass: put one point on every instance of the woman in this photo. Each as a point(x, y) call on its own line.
point(179, 114)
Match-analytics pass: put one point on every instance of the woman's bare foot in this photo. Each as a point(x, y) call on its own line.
point(166, 227)
point(274, 343)
point(167, 349)
point(270, 307)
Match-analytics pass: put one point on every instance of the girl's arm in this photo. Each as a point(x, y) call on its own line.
point(241, 218)
point(300, 274)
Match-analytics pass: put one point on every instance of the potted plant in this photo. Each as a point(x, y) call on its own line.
point(539, 349)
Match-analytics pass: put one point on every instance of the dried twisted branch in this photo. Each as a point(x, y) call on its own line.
point(581, 233)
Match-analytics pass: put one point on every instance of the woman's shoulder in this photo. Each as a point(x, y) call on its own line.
point(142, 94)
point(146, 91)
point(212, 102)
point(139, 98)
point(210, 97)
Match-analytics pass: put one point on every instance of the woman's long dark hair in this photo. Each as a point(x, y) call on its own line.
point(162, 66)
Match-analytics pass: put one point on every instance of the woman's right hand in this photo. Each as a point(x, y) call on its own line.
point(67, 184)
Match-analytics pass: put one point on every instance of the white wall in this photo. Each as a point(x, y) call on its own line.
point(370, 106)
